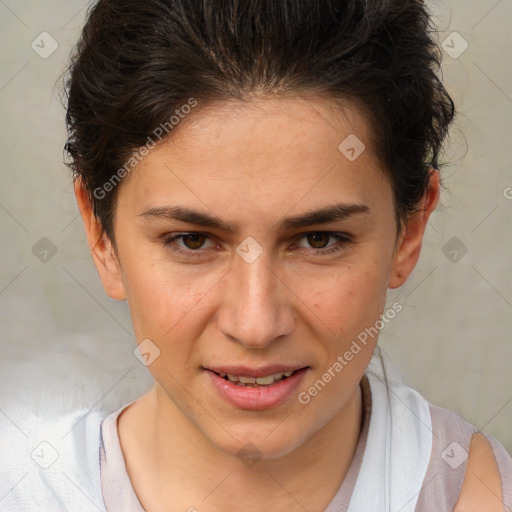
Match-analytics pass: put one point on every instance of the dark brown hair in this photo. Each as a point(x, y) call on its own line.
point(140, 61)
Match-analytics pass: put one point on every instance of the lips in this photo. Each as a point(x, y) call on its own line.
point(256, 388)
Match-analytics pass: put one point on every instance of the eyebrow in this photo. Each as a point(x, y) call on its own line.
point(324, 215)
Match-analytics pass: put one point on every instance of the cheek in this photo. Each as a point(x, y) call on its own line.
point(165, 300)
point(350, 303)
point(348, 298)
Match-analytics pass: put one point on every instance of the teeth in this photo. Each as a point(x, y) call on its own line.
point(262, 381)
point(266, 380)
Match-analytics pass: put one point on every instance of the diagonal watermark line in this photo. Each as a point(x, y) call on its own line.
point(489, 489)
point(406, 406)
point(14, 14)
point(190, 189)
point(488, 215)
point(278, 425)
point(432, 226)
point(96, 300)
point(327, 327)
point(82, 491)
point(76, 14)
point(418, 493)
point(216, 487)
point(14, 423)
point(486, 14)
point(14, 76)
point(220, 279)
point(12, 280)
point(12, 488)
point(286, 491)
point(97, 402)
point(421, 282)
point(492, 81)
point(13, 218)
point(413, 412)
point(302, 197)
point(199, 403)
point(70, 222)
point(492, 286)
point(501, 409)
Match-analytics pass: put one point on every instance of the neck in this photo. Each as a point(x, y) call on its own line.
point(173, 466)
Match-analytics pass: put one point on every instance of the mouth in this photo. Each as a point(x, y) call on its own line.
point(261, 388)
point(253, 382)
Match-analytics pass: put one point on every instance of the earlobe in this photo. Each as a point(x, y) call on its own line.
point(101, 247)
point(409, 246)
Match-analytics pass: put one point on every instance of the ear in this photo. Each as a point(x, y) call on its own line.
point(409, 245)
point(101, 247)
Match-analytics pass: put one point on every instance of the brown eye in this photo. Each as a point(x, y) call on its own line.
point(191, 244)
point(193, 240)
point(318, 240)
point(323, 243)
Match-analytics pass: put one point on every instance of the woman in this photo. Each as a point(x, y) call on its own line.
point(253, 176)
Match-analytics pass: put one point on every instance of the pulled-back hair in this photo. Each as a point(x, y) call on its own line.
point(140, 61)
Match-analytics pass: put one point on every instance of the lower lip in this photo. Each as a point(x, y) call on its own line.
point(263, 397)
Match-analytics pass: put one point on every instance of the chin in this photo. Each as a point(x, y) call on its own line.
point(249, 443)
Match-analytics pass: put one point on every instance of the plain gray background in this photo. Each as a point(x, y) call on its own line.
point(66, 345)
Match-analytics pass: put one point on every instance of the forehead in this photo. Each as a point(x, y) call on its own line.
point(268, 150)
point(292, 127)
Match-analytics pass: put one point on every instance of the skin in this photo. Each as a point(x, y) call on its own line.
point(252, 164)
point(481, 489)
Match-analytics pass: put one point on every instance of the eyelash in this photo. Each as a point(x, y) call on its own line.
point(342, 238)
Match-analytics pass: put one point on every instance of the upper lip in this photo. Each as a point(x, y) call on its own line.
point(262, 371)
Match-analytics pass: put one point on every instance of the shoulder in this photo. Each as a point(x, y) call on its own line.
point(456, 467)
point(52, 463)
point(470, 469)
point(481, 489)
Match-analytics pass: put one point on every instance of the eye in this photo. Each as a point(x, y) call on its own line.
point(192, 243)
point(319, 241)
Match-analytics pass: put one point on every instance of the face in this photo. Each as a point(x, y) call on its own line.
point(250, 245)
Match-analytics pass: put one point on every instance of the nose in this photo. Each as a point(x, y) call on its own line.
point(257, 306)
